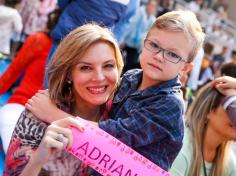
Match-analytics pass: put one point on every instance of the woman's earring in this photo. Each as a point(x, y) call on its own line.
point(206, 121)
point(69, 93)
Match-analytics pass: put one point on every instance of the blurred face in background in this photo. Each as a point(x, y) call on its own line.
point(151, 7)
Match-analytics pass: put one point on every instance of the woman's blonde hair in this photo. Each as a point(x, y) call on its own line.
point(67, 56)
point(186, 22)
point(208, 99)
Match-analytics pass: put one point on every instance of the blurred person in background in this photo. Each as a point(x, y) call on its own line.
point(34, 15)
point(233, 54)
point(135, 34)
point(206, 73)
point(221, 7)
point(10, 24)
point(194, 74)
point(210, 128)
point(195, 6)
point(29, 61)
point(218, 60)
point(164, 7)
point(120, 28)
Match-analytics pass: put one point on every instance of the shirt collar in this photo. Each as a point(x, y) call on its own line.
point(134, 77)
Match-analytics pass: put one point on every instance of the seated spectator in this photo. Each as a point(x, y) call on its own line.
point(210, 128)
point(34, 14)
point(206, 72)
point(164, 7)
point(10, 24)
point(195, 6)
point(233, 54)
point(120, 28)
point(221, 7)
point(30, 62)
point(136, 33)
point(218, 60)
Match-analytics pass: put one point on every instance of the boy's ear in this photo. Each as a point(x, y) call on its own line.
point(187, 67)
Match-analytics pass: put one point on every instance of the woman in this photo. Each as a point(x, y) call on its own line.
point(210, 128)
point(83, 74)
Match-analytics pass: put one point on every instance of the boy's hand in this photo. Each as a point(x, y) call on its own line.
point(43, 108)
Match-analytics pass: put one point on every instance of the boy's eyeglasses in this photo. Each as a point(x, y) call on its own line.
point(167, 55)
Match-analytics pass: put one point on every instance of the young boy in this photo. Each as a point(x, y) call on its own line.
point(147, 109)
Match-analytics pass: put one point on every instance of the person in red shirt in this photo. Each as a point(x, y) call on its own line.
point(29, 61)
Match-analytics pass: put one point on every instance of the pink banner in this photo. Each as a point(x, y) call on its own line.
point(108, 155)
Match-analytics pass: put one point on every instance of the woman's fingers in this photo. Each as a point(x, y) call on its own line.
point(69, 121)
point(45, 92)
point(61, 127)
point(224, 82)
point(60, 134)
point(52, 143)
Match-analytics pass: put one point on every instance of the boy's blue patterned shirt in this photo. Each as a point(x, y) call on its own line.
point(150, 121)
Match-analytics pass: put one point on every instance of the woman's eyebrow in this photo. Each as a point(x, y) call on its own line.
point(88, 63)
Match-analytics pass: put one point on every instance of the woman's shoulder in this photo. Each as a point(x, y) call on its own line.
point(182, 162)
point(187, 144)
point(231, 164)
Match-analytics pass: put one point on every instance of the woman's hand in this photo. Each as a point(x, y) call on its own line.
point(57, 137)
point(225, 85)
point(224, 82)
point(43, 108)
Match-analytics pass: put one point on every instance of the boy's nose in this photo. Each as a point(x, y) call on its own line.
point(159, 56)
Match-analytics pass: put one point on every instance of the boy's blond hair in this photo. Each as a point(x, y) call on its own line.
point(186, 22)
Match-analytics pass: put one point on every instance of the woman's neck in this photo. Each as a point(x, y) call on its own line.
point(210, 143)
point(88, 112)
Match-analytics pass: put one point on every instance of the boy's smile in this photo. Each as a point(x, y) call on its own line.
point(155, 67)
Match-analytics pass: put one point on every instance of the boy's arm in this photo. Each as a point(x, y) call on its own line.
point(149, 124)
point(43, 108)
